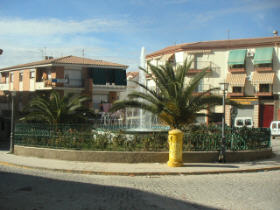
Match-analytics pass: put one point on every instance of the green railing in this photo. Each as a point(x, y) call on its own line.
point(88, 137)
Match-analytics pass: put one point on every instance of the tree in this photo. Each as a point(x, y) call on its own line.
point(173, 101)
point(53, 109)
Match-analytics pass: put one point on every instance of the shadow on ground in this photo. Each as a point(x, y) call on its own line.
point(19, 191)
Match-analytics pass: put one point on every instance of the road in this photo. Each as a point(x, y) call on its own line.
point(34, 189)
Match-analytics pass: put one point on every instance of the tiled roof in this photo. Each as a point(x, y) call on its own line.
point(132, 75)
point(68, 60)
point(220, 44)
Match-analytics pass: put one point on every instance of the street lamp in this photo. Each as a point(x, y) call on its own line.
point(224, 88)
point(13, 94)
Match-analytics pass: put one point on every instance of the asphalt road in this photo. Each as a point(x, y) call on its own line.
point(34, 189)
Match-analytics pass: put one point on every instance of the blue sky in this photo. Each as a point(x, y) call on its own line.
point(116, 30)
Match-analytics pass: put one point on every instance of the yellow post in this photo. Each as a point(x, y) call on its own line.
point(175, 140)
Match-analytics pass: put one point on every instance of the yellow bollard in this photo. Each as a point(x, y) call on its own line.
point(175, 140)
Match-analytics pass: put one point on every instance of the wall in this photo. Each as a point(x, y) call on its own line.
point(138, 157)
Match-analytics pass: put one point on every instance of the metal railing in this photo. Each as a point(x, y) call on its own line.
point(92, 137)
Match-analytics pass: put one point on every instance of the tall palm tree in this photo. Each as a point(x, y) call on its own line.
point(173, 102)
point(54, 109)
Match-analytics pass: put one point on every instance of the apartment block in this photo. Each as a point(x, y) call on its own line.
point(101, 80)
point(250, 67)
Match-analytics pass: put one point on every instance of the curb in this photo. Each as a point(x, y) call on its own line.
point(273, 168)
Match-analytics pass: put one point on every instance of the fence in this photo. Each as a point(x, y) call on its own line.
point(88, 137)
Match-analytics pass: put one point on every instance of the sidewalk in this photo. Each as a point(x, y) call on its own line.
point(139, 169)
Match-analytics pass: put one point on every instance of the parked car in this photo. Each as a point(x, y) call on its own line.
point(243, 121)
point(275, 128)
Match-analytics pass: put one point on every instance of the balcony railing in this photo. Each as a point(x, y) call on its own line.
point(202, 88)
point(4, 86)
point(109, 86)
point(265, 69)
point(199, 66)
point(264, 93)
point(66, 83)
point(236, 94)
point(235, 69)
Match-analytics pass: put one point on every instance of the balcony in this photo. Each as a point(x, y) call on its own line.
point(264, 90)
point(4, 86)
point(267, 67)
point(199, 66)
point(237, 70)
point(264, 93)
point(236, 94)
point(59, 83)
point(201, 89)
point(109, 87)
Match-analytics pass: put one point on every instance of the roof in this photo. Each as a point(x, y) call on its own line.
point(218, 44)
point(67, 60)
point(131, 75)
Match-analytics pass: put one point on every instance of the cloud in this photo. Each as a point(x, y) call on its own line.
point(45, 27)
point(157, 2)
point(247, 7)
point(27, 40)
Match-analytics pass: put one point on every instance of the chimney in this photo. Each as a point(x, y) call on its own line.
point(275, 32)
point(48, 57)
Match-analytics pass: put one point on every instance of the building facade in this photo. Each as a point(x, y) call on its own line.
point(102, 81)
point(250, 67)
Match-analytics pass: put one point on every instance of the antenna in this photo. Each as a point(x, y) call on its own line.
point(228, 34)
point(83, 55)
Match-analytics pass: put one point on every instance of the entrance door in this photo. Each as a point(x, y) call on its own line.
point(266, 115)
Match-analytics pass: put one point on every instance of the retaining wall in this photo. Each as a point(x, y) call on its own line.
point(139, 157)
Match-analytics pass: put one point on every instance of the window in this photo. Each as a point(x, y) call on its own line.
point(237, 66)
point(264, 88)
point(12, 77)
point(32, 74)
point(239, 122)
point(248, 122)
point(199, 88)
point(20, 76)
point(237, 89)
point(198, 61)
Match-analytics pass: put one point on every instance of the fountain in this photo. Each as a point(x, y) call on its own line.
point(147, 121)
point(140, 121)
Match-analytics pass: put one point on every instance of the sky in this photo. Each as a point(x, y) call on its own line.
point(116, 30)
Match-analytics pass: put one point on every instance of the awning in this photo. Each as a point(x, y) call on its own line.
point(263, 78)
point(236, 79)
point(236, 57)
point(263, 55)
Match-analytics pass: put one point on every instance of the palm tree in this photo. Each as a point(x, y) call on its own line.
point(173, 102)
point(54, 109)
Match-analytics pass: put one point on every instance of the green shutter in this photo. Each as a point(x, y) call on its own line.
point(120, 77)
point(236, 57)
point(98, 76)
point(263, 55)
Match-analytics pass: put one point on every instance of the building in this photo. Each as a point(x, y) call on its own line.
point(102, 81)
point(250, 67)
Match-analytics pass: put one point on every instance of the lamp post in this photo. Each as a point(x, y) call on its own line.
point(224, 88)
point(13, 94)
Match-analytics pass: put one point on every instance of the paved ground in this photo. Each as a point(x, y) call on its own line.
point(37, 189)
point(27, 188)
point(140, 168)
